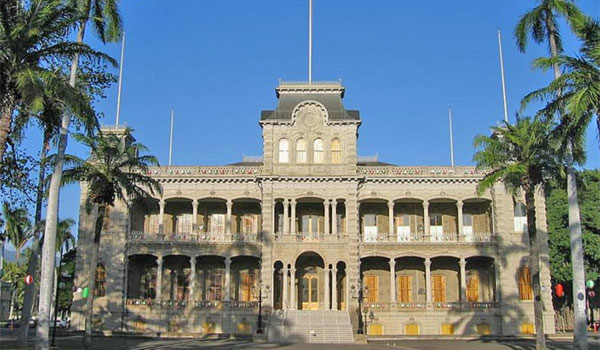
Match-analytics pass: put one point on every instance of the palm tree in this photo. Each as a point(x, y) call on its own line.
point(115, 171)
point(541, 24)
point(17, 227)
point(522, 157)
point(33, 35)
point(106, 20)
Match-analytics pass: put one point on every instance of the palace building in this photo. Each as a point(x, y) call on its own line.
point(328, 243)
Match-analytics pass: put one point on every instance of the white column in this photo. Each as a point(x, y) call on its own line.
point(161, 216)
point(284, 297)
point(293, 217)
point(391, 218)
point(286, 218)
point(159, 273)
point(428, 278)
point(334, 296)
point(293, 289)
point(426, 220)
point(459, 207)
point(227, 278)
point(392, 280)
point(463, 281)
point(327, 289)
point(228, 219)
point(334, 228)
point(192, 278)
point(326, 220)
point(194, 215)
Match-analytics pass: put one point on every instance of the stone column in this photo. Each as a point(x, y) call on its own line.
point(334, 228)
point(159, 273)
point(459, 207)
point(293, 217)
point(390, 219)
point(293, 301)
point(334, 296)
point(428, 278)
point(284, 297)
point(463, 280)
point(497, 287)
point(202, 279)
point(161, 217)
point(192, 278)
point(286, 219)
point(194, 216)
point(426, 235)
point(227, 283)
point(228, 219)
point(393, 298)
point(326, 221)
point(327, 305)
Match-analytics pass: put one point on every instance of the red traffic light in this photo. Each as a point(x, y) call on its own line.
point(559, 290)
point(28, 279)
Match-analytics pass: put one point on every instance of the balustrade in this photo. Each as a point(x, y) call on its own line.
point(420, 306)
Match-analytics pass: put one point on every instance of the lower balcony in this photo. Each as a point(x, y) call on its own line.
point(400, 306)
point(419, 237)
point(202, 304)
point(200, 237)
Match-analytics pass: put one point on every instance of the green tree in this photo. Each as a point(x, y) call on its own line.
point(105, 18)
point(523, 159)
point(14, 273)
point(558, 231)
point(115, 171)
point(541, 23)
point(17, 227)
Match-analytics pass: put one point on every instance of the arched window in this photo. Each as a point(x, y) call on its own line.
point(100, 289)
point(336, 151)
point(318, 156)
point(301, 151)
point(284, 150)
point(520, 217)
point(525, 291)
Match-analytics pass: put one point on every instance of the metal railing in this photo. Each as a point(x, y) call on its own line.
point(201, 304)
point(207, 237)
point(420, 171)
point(418, 237)
point(419, 306)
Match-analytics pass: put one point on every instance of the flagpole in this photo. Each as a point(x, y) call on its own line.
point(503, 81)
point(451, 137)
point(120, 79)
point(171, 137)
point(309, 41)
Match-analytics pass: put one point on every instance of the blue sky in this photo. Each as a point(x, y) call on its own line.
point(402, 63)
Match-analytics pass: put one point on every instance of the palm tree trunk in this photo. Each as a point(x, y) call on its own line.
point(89, 303)
point(579, 303)
point(49, 245)
point(6, 121)
point(32, 264)
point(534, 266)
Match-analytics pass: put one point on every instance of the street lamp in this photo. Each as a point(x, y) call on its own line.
point(259, 327)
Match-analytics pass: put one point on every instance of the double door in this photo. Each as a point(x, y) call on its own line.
point(310, 292)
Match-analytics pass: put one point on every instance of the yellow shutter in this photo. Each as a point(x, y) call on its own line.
point(375, 329)
point(473, 288)
point(405, 289)
point(439, 288)
point(447, 329)
point(483, 329)
point(372, 285)
point(411, 329)
point(246, 287)
point(527, 328)
point(525, 291)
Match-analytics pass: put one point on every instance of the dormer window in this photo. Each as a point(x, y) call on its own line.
point(336, 151)
point(284, 151)
point(301, 151)
point(318, 156)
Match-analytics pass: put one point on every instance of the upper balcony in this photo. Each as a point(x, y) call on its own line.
point(420, 171)
point(212, 220)
point(449, 220)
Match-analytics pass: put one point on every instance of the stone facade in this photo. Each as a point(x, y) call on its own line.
point(311, 226)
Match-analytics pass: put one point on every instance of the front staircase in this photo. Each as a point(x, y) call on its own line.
point(323, 326)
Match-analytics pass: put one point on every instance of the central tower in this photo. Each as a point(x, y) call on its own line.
point(310, 132)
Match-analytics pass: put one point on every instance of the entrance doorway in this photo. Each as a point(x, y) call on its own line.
point(310, 292)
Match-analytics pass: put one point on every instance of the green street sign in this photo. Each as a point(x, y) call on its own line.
point(85, 293)
point(590, 284)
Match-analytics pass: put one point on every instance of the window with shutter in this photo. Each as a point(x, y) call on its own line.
point(439, 288)
point(246, 287)
point(405, 288)
point(371, 284)
point(525, 290)
point(473, 288)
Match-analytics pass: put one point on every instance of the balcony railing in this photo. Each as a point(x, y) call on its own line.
point(420, 171)
point(205, 171)
point(310, 237)
point(412, 306)
point(208, 237)
point(418, 237)
point(199, 304)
